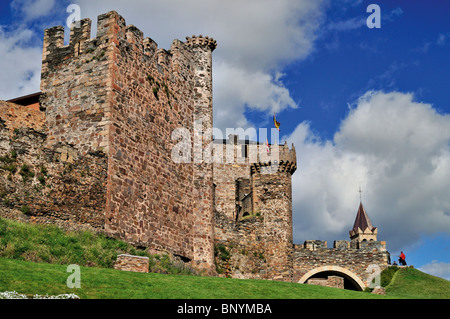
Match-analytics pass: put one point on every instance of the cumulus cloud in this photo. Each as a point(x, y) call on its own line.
point(20, 64)
point(397, 150)
point(21, 45)
point(237, 88)
point(33, 9)
point(436, 268)
point(256, 40)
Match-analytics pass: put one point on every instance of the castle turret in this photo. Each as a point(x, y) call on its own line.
point(202, 48)
point(272, 199)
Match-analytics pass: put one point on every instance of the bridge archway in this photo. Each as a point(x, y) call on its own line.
point(351, 278)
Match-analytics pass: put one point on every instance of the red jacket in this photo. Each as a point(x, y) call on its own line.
point(402, 256)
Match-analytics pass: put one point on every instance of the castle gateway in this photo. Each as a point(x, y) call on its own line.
point(100, 146)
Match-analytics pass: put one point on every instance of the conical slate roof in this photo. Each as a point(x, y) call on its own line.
point(362, 220)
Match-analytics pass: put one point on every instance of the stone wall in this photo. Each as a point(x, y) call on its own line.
point(230, 165)
point(225, 176)
point(203, 214)
point(331, 281)
point(240, 247)
point(262, 190)
point(132, 263)
point(15, 116)
point(250, 248)
point(48, 184)
point(150, 197)
point(272, 199)
point(75, 85)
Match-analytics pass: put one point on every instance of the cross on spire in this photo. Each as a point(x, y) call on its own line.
point(360, 194)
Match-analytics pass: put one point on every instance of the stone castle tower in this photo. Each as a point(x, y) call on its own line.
point(103, 144)
point(118, 94)
point(256, 185)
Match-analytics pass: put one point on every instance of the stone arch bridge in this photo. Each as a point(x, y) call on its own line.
point(340, 266)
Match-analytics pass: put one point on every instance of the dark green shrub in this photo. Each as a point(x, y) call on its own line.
point(387, 275)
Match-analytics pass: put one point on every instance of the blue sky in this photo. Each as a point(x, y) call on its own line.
point(405, 55)
point(364, 107)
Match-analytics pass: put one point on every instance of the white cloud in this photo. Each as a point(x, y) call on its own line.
point(397, 150)
point(20, 64)
point(21, 46)
point(32, 9)
point(442, 40)
point(346, 25)
point(237, 87)
point(438, 269)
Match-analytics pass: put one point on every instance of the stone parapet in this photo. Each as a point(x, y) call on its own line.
point(279, 158)
point(201, 41)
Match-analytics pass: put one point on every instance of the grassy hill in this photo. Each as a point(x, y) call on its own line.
point(410, 283)
point(34, 259)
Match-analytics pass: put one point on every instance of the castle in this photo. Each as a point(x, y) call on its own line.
point(96, 150)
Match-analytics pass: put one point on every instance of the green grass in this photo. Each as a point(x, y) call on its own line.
point(50, 244)
point(410, 283)
point(96, 283)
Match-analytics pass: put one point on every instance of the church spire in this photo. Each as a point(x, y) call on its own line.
point(362, 220)
point(363, 229)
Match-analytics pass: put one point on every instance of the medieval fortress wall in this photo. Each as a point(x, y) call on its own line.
point(101, 157)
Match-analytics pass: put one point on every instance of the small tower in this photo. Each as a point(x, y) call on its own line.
point(203, 238)
point(271, 182)
point(363, 229)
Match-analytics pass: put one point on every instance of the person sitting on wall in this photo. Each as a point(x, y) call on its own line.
point(402, 259)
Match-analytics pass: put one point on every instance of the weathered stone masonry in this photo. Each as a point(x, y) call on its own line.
point(49, 185)
point(254, 209)
point(314, 257)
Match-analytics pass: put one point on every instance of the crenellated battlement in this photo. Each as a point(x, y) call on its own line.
point(108, 25)
point(279, 158)
point(112, 32)
point(258, 155)
point(201, 41)
point(111, 29)
point(315, 245)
